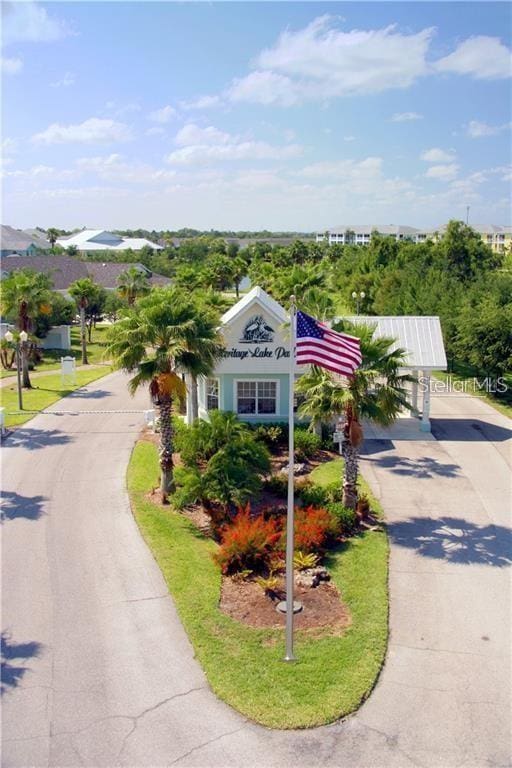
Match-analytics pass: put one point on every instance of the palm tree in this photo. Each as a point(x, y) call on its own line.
point(150, 340)
point(132, 283)
point(24, 294)
point(376, 392)
point(84, 291)
point(203, 347)
point(52, 234)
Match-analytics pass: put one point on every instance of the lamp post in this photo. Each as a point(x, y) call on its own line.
point(357, 298)
point(18, 346)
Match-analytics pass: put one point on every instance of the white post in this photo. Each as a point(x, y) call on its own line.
point(189, 385)
point(414, 396)
point(425, 415)
point(290, 509)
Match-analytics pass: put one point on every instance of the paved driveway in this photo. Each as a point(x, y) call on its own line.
point(98, 671)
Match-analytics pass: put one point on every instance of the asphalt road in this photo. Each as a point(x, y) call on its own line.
point(98, 671)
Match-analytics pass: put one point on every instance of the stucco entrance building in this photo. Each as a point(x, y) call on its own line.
point(252, 378)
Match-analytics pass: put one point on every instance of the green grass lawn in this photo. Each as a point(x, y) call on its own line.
point(51, 359)
point(330, 472)
point(244, 666)
point(46, 390)
point(464, 377)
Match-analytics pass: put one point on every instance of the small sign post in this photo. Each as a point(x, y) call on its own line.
point(68, 370)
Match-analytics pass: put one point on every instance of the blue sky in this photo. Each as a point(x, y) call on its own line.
point(255, 115)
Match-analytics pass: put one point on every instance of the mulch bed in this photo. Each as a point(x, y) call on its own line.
point(322, 606)
point(245, 601)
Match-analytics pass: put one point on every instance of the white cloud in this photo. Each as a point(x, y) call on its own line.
point(349, 138)
point(240, 150)
point(114, 167)
point(445, 172)
point(11, 66)
point(67, 80)
point(321, 62)
point(370, 167)
point(203, 102)
point(192, 134)
point(264, 88)
point(92, 131)
point(9, 146)
point(483, 57)
point(206, 145)
point(476, 129)
point(30, 22)
point(163, 115)
point(156, 130)
point(405, 117)
point(436, 155)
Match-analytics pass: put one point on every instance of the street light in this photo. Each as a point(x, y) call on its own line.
point(358, 297)
point(23, 336)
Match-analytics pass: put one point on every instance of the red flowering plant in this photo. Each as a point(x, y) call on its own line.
point(247, 542)
point(314, 526)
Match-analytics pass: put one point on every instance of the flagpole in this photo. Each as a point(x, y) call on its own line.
point(291, 476)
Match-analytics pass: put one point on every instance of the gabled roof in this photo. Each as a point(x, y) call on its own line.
point(18, 240)
point(420, 336)
point(64, 270)
point(255, 295)
point(91, 240)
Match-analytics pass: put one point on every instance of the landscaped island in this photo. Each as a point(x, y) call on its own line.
point(223, 564)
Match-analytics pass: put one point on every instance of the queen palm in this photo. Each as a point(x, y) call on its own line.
point(25, 294)
point(375, 392)
point(84, 291)
point(132, 283)
point(150, 340)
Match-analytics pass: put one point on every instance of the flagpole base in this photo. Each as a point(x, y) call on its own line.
point(290, 658)
point(297, 606)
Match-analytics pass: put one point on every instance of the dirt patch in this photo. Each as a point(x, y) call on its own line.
point(323, 608)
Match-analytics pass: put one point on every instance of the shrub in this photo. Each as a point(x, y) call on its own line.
point(306, 443)
point(272, 435)
point(313, 527)
point(334, 491)
point(346, 519)
point(190, 487)
point(310, 494)
point(277, 484)
point(269, 585)
point(302, 561)
point(234, 460)
point(232, 479)
point(247, 542)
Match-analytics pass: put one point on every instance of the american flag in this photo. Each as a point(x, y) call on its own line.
point(318, 345)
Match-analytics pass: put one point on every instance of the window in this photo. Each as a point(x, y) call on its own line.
point(256, 397)
point(212, 394)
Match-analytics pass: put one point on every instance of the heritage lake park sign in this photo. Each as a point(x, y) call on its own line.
point(256, 332)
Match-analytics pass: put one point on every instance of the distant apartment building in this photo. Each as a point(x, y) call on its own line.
point(89, 240)
point(496, 237)
point(361, 234)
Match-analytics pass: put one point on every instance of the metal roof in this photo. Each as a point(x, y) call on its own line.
point(420, 336)
point(91, 240)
